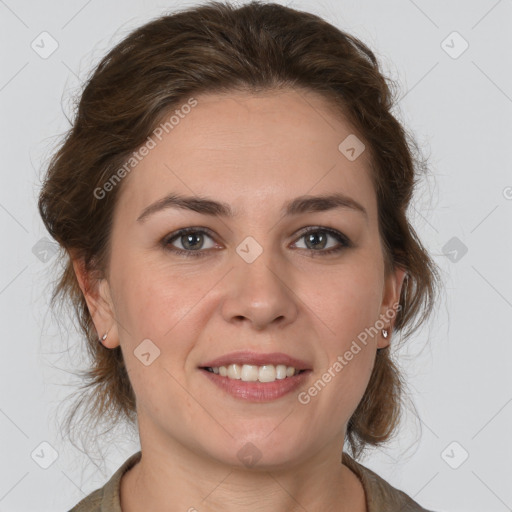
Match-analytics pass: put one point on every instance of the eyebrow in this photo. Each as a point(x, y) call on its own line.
point(297, 206)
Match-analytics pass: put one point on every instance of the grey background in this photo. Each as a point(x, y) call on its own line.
point(458, 367)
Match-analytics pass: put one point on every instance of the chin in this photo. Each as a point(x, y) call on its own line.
point(264, 452)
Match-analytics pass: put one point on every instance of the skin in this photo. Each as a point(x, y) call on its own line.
point(254, 152)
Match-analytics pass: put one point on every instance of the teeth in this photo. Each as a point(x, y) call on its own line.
point(253, 373)
point(234, 371)
point(267, 373)
point(281, 371)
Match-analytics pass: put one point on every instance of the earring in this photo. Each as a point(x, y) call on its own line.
point(103, 338)
point(385, 334)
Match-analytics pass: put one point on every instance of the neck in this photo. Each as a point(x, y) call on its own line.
point(171, 475)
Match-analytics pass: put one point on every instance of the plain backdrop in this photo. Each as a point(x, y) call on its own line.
point(452, 60)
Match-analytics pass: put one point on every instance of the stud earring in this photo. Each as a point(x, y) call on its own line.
point(103, 338)
point(385, 334)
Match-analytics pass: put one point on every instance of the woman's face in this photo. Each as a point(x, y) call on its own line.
point(251, 287)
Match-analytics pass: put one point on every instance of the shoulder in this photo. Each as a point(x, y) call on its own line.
point(106, 498)
point(380, 495)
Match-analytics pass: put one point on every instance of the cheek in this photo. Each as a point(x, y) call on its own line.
point(154, 300)
point(350, 312)
point(348, 306)
point(334, 395)
point(153, 306)
point(157, 304)
point(345, 377)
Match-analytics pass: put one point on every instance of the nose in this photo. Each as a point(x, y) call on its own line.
point(260, 294)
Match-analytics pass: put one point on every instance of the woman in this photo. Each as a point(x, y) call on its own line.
point(232, 203)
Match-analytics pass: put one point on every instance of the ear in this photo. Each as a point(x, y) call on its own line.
point(99, 302)
point(391, 297)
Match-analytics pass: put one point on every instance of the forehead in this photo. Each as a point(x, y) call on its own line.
point(246, 148)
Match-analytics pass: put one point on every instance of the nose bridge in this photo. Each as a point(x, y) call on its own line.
point(259, 291)
point(260, 274)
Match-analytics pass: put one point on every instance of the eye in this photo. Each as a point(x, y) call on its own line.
point(191, 241)
point(316, 239)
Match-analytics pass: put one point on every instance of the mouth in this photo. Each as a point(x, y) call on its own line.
point(254, 373)
point(256, 377)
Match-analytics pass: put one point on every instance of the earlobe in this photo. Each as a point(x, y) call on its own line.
point(97, 296)
point(391, 299)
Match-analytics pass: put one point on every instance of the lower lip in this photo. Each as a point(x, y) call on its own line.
point(258, 391)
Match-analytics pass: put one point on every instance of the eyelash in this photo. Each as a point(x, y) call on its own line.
point(166, 242)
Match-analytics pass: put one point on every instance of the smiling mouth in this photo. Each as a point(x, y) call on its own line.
point(254, 373)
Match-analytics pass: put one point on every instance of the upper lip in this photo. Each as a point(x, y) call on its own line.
point(258, 359)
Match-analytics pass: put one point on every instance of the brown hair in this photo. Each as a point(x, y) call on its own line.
point(216, 47)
